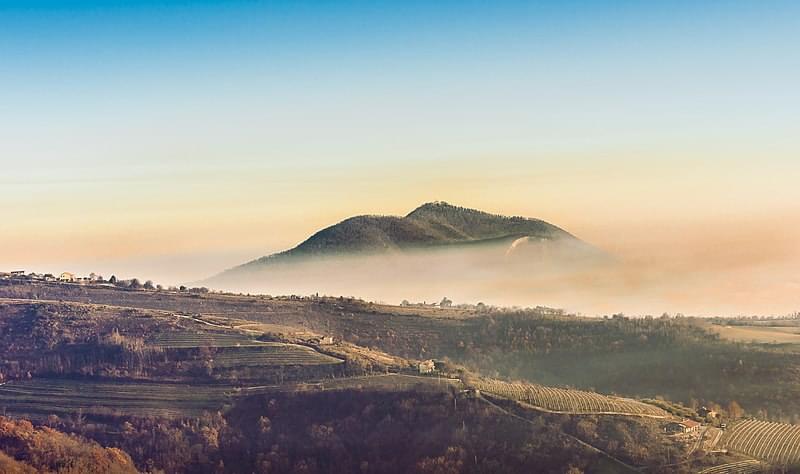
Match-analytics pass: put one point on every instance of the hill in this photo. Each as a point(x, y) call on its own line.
point(431, 224)
point(434, 226)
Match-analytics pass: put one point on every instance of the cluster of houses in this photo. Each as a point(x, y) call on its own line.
point(65, 277)
point(446, 303)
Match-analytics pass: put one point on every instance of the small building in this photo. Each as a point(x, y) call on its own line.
point(685, 426)
point(427, 366)
point(18, 273)
point(322, 340)
point(472, 393)
point(67, 276)
point(707, 412)
point(49, 277)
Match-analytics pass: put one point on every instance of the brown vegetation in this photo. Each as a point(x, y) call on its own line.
point(27, 449)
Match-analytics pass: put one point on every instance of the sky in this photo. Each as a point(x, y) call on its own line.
point(171, 140)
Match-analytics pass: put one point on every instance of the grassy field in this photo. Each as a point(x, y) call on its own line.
point(759, 334)
point(272, 354)
point(37, 398)
point(390, 382)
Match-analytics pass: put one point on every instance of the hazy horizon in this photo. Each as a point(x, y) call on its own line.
point(170, 141)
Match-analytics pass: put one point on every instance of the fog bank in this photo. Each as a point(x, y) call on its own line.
point(563, 275)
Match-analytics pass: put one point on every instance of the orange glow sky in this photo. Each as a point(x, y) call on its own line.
point(173, 141)
point(733, 225)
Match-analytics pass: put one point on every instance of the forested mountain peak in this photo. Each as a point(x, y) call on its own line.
point(431, 224)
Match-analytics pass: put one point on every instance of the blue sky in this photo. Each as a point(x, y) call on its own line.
point(276, 118)
point(511, 76)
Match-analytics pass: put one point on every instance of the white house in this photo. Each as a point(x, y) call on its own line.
point(427, 366)
point(67, 276)
point(685, 426)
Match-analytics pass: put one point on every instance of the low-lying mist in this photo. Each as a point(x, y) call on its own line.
point(562, 274)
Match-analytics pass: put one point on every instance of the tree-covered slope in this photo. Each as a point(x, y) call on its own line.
point(430, 225)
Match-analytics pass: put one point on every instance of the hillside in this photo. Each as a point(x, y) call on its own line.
point(204, 382)
point(432, 224)
point(26, 449)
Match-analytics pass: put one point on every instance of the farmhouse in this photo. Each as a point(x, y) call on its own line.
point(427, 366)
point(685, 426)
point(66, 276)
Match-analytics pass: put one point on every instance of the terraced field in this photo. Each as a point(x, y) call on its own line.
point(272, 354)
point(37, 398)
point(561, 400)
point(391, 382)
point(741, 467)
point(188, 340)
point(777, 443)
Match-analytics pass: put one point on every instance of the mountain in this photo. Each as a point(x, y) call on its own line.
point(436, 248)
point(430, 225)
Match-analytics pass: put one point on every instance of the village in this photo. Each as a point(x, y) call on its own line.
point(93, 279)
point(64, 277)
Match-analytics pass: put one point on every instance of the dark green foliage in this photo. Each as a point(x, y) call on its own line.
point(431, 224)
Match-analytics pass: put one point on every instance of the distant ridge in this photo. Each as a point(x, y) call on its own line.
point(434, 224)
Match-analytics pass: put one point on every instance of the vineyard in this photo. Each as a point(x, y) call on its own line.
point(188, 340)
point(389, 382)
point(777, 443)
point(37, 398)
point(568, 401)
point(271, 354)
point(741, 467)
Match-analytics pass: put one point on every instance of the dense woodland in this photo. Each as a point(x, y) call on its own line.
point(350, 431)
